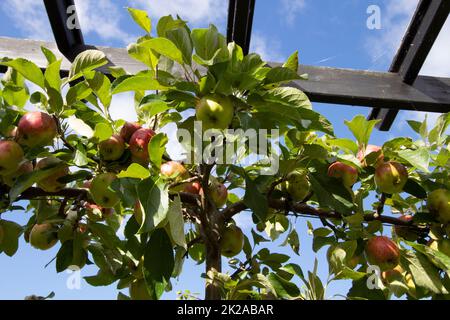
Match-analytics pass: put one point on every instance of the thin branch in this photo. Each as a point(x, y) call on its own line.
point(304, 209)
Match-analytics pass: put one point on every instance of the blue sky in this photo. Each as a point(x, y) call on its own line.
point(326, 33)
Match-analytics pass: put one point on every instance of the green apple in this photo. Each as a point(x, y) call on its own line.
point(439, 204)
point(25, 167)
point(174, 170)
point(101, 190)
point(51, 182)
point(215, 112)
point(139, 291)
point(232, 241)
point(218, 193)
point(297, 185)
point(112, 149)
point(345, 172)
point(36, 129)
point(382, 252)
point(11, 155)
point(139, 145)
point(391, 177)
point(43, 236)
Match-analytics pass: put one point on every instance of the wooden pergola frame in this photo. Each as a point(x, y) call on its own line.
point(386, 92)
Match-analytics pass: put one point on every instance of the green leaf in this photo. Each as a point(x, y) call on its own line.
point(77, 92)
point(49, 55)
point(414, 188)
point(283, 288)
point(87, 61)
point(101, 85)
point(210, 46)
point(156, 148)
point(360, 290)
point(176, 223)
point(164, 47)
point(141, 18)
point(27, 69)
point(65, 256)
point(361, 128)
point(419, 158)
point(52, 75)
point(292, 62)
point(10, 242)
point(281, 75)
point(255, 200)
point(27, 180)
point(181, 38)
point(80, 159)
point(106, 234)
point(103, 131)
point(167, 23)
point(142, 54)
point(135, 171)
point(425, 274)
point(159, 258)
point(154, 197)
point(141, 82)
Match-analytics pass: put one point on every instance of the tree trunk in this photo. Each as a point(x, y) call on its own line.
point(213, 262)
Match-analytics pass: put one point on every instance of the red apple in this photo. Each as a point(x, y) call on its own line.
point(128, 129)
point(112, 149)
point(391, 177)
point(11, 155)
point(405, 232)
point(51, 183)
point(192, 187)
point(347, 173)
point(36, 129)
point(371, 155)
point(139, 145)
point(382, 252)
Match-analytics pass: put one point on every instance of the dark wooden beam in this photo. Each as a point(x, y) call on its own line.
point(68, 35)
point(422, 33)
point(327, 85)
point(240, 20)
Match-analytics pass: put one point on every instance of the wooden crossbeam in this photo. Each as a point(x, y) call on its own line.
point(327, 85)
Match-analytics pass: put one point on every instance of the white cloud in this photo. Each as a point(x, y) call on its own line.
point(395, 19)
point(269, 49)
point(122, 107)
point(197, 12)
point(29, 16)
point(99, 17)
point(102, 17)
point(290, 8)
